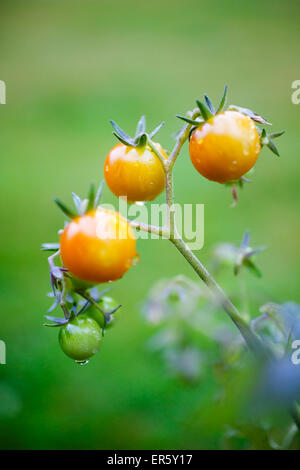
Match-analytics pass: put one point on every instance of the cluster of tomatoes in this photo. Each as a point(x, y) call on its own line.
point(98, 245)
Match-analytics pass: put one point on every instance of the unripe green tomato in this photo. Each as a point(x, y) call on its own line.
point(80, 338)
point(110, 322)
point(74, 284)
point(96, 315)
point(107, 304)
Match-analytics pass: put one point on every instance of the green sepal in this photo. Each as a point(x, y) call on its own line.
point(65, 209)
point(121, 135)
point(273, 148)
point(141, 136)
point(252, 267)
point(91, 198)
point(141, 140)
point(248, 112)
point(223, 100)
point(50, 247)
point(209, 104)
point(98, 194)
point(191, 131)
point(266, 139)
point(204, 110)
point(245, 241)
point(141, 126)
point(56, 321)
point(155, 131)
point(276, 134)
point(77, 203)
point(189, 121)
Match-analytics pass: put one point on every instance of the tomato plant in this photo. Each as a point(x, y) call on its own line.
point(224, 145)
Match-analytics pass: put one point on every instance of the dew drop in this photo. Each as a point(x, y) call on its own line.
point(136, 260)
point(82, 363)
point(140, 203)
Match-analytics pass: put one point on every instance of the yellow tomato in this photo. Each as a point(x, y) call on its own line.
point(99, 246)
point(134, 172)
point(225, 147)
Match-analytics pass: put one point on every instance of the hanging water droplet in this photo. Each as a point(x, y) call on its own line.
point(136, 260)
point(82, 363)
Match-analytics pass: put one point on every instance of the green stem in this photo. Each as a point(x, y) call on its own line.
point(86, 296)
point(149, 228)
point(252, 340)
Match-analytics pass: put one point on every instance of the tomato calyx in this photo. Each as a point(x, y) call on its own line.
point(141, 137)
point(79, 302)
point(267, 139)
point(206, 110)
point(244, 256)
point(82, 206)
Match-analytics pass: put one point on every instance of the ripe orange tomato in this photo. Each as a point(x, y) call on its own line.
point(225, 147)
point(135, 172)
point(99, 246)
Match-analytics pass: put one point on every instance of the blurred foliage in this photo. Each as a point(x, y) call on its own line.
point(69, 67)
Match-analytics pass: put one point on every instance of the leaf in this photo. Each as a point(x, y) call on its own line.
point(204, 110)
point(141, 127)
point(99, 194)
point(209, 104)
point(223, 100)
point(65, 209)
point(50, 246)
point(155, 131)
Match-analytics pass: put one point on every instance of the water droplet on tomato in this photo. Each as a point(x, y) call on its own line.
point(82, 363)
point(136, 260)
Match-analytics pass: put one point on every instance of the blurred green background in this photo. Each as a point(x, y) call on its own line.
point(69, 67)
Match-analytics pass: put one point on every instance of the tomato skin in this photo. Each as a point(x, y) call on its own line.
point(96, 315)
point(225, 147)
point(107, 304)
point(134, 172)
point(80, 338)
point(99, 246)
